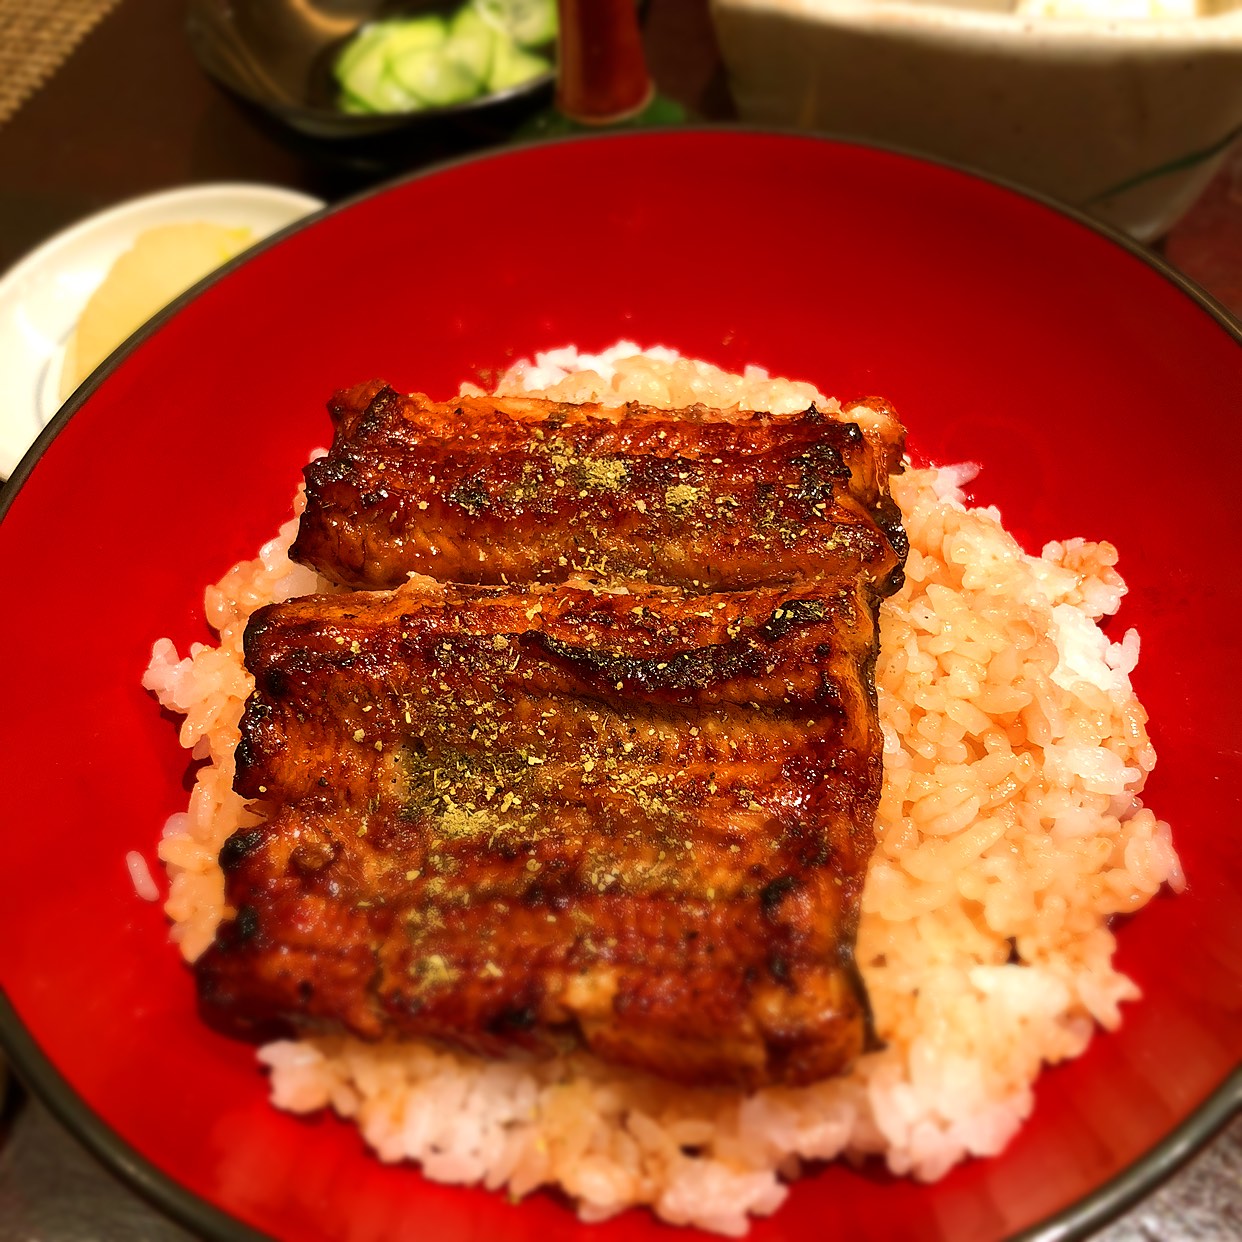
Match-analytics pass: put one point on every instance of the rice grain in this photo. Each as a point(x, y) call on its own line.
point(1010, 830)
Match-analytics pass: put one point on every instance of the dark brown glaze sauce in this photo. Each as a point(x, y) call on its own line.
point(517, 490)
point(519, 819)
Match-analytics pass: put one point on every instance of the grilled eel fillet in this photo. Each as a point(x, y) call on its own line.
point(534, 819)
point(504, 490)
point(527, 818)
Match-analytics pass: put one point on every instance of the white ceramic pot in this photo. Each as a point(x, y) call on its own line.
point(1126, 119)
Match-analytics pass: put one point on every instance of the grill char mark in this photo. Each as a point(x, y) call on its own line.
point(494, 866)
point(527, 818)
point(495, 490)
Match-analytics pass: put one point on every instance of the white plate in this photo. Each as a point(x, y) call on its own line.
point(43, 294)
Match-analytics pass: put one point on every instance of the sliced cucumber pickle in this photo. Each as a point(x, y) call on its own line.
point(528, 23)
point(512, 66)
point(403, 64)
point(472, 42)
point(433, 78)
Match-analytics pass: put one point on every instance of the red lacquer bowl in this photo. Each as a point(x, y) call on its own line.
point(1101, 398)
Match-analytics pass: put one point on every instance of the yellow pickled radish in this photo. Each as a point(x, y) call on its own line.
point(163, 262)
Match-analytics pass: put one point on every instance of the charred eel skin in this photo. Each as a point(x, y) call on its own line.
point(512, 490)
point(631, 814)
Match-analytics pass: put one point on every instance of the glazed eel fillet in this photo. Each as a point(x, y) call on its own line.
point(523, 819)
point(510, 490)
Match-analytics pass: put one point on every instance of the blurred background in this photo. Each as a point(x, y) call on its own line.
point(1128, 110)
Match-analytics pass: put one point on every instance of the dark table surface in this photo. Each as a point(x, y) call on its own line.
point(129, 112)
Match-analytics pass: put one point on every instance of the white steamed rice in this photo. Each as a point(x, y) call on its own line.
point(1010, 830)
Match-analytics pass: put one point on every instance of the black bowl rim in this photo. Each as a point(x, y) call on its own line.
point(332, 124)
point(1072, 1223)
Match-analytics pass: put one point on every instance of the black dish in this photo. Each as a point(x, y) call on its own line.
point(277, 55)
